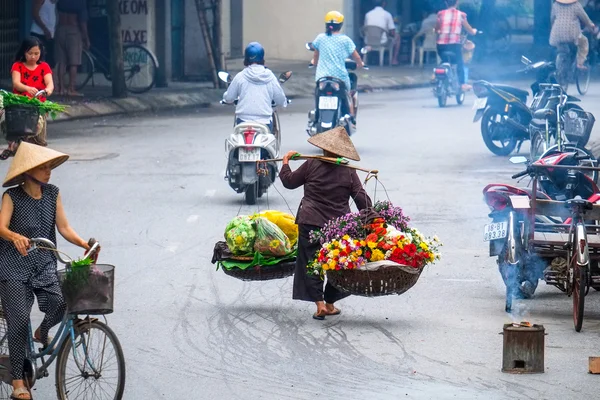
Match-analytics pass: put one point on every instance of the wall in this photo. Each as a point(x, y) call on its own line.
point(137, 22)
point(283, 26)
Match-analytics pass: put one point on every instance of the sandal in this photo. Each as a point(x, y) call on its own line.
point(336, 311)
point(20, 393)
point(319, 317)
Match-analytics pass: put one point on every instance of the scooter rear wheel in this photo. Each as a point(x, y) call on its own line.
point(251, 194)
point(460, 98)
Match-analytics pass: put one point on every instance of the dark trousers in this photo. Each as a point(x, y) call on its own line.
point(17, 300)
point(309, 287)
point(455, 49)
point(48, 49)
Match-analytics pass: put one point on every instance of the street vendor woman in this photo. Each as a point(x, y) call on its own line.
point(328, 189)
point(32, 208)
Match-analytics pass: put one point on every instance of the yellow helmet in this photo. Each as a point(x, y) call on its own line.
point(334, 17)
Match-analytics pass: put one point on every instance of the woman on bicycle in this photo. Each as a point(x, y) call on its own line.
point(32, 208)
point(30, 76)
point(332, 48)
point(567, 17)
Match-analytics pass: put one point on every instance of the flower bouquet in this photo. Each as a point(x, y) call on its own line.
point(373, 255)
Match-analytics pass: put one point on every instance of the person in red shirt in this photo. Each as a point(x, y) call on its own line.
point(31, 77)
point(449, 28)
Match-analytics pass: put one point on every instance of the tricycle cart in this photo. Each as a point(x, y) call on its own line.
point(568, 241)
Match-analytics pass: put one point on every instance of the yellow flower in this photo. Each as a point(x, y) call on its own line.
point(332, 264)
point(431, 257)
point(372, 245)
point(358, 252)
point(239, 240)
point(362, 243)
point(377, 255)
point(346, 237)
point(424, 246)
point(335, 252)
point(274, 244)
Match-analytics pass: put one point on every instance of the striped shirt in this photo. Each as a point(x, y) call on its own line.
point(450, 26)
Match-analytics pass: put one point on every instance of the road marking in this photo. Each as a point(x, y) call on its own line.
point(210, 193)
point(192, 218)
point(172, 248)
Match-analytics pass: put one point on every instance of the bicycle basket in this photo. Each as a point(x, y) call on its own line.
point(21, 121)
point(578, 124)
point(89, 289)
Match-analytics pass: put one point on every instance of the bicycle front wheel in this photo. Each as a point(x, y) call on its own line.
point(84, 72)
point(91, 366)
point(582, 78)
point(140, 68)
point(538, 146)
point(579, 288)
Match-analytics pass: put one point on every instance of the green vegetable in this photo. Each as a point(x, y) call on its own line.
point(240, 235)
point(46, 107)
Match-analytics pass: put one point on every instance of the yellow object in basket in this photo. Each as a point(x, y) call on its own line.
point(286, 222)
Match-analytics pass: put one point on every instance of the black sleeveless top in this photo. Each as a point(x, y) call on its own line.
point(31, 218)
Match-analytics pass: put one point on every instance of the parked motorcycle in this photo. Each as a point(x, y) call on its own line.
point(505, 234)
point(505, 115)
point(332, 101)
point(251, 142)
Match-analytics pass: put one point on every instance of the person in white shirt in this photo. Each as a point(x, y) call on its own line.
point(381, 18)
point(44, 26)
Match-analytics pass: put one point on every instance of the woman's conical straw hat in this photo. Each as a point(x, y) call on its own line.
point(28, 157)
point(336, 141)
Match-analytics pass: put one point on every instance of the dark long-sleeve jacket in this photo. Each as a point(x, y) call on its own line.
point(327, 191)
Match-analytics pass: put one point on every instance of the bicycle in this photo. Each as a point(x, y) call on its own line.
point(139, 62)
point(567, 71)
point(75, 336)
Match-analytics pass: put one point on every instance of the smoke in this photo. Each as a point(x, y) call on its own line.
point(521, 282)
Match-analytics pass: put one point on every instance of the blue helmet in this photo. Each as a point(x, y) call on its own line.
point(254, 53)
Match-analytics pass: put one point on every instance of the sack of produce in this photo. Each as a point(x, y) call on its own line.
point(270, 240)
point(240, 235)
point(286, 222)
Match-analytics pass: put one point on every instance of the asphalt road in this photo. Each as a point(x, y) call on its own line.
point(151, 189)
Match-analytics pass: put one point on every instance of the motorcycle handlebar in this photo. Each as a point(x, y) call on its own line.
point(520, 174)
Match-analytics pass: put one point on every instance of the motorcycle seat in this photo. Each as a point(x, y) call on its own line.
point(544, 114)
point(512, 90)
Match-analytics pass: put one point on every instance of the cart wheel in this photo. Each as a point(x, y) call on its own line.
point(579, 285)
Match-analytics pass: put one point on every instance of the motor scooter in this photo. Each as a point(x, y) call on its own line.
point(251, 142)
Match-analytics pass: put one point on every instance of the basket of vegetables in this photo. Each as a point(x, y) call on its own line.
point(259, 247)
point(88, 288)
point(22, 114)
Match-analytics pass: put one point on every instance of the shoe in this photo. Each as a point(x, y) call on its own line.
point(466, 88)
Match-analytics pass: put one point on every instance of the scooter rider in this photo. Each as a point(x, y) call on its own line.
point(256, 88)
point(332, 48)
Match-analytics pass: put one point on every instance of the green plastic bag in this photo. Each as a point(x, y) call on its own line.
point(270, 239)
point(240, 235)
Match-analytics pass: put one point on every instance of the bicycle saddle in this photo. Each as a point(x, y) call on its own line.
point(544, 114)
point(579, 202)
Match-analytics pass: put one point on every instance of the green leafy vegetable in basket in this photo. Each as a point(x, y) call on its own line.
point(45, 107)
point(84, 281)
point(240, 235)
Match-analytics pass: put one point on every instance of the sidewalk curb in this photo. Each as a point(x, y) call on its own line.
point(205, 98)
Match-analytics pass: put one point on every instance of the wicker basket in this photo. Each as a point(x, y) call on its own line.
point(263, 272)
point(21, 121)
point(381, 282)
point(257, 273)
point(93, 294)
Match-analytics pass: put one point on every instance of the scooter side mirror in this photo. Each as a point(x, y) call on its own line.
point(225, 77)
point(285, 76)
point(518, 160)
point(365, 50)
point(525, 60)
point(309, 46)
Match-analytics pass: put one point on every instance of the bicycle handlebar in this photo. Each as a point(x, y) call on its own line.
point(35, 242)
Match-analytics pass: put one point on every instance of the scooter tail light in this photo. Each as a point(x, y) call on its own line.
point(249, 136)
point(440, 71)
point(496, 201)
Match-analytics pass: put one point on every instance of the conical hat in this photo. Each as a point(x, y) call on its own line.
point(336, 141)
point(28, 157)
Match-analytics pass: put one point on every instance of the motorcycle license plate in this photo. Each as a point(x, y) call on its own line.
point(497, 230)
point(249, 155)
point(480, 103)
point(328, 103)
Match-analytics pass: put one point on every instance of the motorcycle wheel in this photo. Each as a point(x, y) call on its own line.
point(442, 99)
point(580, 141)
point(251, 194)
point(494, 131)
point(591, 161)
point(582, 79)
point(460, 98)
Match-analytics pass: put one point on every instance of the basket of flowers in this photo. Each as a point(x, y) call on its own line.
point(259, 247)
point(373, 253)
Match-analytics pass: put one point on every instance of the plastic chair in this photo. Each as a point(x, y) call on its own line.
point(429, 45)
point(372, 36)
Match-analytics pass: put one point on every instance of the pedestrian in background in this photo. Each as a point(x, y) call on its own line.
point(44, 26)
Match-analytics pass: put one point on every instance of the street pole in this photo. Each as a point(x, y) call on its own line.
point(161, 43)
point(117, 69)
